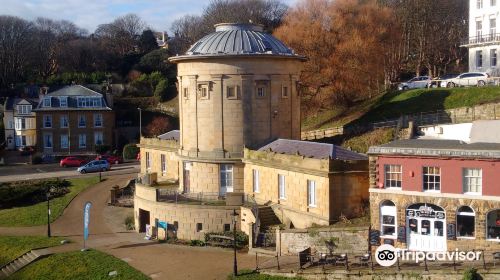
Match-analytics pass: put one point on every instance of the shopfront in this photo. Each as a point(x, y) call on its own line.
point(426, 227)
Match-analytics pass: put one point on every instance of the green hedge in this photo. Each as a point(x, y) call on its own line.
point(130, 151)
point(30, 192)
point(241, 237)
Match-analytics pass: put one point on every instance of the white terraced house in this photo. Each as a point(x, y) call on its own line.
point(484, 36)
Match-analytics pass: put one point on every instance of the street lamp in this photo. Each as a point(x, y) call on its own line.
point(235, 267)
point(49, 190)
point(140, 123)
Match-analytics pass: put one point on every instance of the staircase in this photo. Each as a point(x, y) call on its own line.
point(22, 261)
point(267, 218)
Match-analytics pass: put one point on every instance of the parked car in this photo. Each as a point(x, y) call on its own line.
point(442, 81)
point(72, 162)
point(110, 158)
point(469, 79)
point(95, 166)
point(417, 82)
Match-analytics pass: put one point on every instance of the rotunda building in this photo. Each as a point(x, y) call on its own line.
point(237, 88)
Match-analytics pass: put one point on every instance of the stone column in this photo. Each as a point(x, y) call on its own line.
point(218, 106)
point(247, 98)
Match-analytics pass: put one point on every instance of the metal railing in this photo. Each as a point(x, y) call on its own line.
point(487, 38)
point(174, 196)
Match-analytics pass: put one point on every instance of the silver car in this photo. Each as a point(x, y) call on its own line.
point(469, 79)
point(94, 166)
point(417, 82)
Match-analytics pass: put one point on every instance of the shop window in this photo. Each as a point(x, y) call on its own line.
point(199, 227)
point(465, 222)
point(438, 228)
point(388, 219)
point(425, 228)
point(493, 225)
point(432, 178)
point(392, 175)
point(413, 224)
point(227, 227)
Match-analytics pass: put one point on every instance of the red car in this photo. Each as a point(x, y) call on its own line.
point(110, 158)
point(71, 162)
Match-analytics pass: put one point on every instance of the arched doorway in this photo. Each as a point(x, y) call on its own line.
point(426, 227)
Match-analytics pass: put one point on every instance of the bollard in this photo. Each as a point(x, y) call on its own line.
point(425, 262)
point(256, 262)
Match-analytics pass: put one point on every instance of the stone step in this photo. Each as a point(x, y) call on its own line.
point(22, 261)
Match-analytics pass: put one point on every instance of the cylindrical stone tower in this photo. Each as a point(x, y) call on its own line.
point(237, 88)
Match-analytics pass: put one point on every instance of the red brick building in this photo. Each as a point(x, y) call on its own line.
point(436, 195)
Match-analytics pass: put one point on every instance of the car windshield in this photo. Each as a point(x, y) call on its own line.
point(412, 80)
point(448, 76)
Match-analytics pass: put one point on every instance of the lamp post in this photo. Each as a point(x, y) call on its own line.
point(140, 123)
point(235, 267)
point(48, 210)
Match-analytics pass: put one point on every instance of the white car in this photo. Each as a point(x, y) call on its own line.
point(417, 82)
point(469, 79)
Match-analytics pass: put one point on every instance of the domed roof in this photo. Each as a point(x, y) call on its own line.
point(238, 39)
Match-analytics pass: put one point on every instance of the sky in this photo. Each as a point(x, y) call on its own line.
point(88, 14)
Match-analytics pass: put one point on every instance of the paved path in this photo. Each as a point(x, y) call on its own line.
point(107, 233)
point(43, 171)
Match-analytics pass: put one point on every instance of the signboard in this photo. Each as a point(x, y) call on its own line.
point(86, 221)
point(402, 234)
point(425, 212)
point(451, 231)
point(389, 241)
point(374, 237)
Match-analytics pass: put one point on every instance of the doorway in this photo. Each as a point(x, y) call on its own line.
point(425, 227)
point(144, 219)
point(186, 176)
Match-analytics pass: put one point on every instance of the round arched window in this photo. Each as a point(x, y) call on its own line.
point(493, 224)
point(465, 222)
point(388, 219)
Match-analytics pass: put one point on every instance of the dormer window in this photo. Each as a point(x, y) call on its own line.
point(63, 101)
point(85, 102)
point(46, 102)
point(24, 109)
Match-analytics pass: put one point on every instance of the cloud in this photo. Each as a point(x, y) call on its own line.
point(88, 14)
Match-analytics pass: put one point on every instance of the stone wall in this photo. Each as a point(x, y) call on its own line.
point(156, 148)
point(205, 177)
point(350, 240)
point(348, 194)
point(212, 218)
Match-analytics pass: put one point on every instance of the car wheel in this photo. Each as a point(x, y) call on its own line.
point(481, 84)
point(405, 88)
point(83, 171)
point(450, 85)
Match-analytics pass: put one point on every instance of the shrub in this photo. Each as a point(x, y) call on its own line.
point(130, 151)
point(36, 159)
point(471, 274)
point(102, 149)
point(30, 192)
point(196, 242)
point(129, 223)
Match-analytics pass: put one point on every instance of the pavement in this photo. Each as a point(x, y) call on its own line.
point(53, 170)
point(108, 234)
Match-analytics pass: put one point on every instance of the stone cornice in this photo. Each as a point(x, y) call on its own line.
point(434, 152)
point(435, 194)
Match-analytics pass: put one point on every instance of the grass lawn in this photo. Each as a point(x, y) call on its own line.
point(12, 247)
point(396, 103)
point(36, 214)
point(362, 142)
point(79, 265)
point(251, 275)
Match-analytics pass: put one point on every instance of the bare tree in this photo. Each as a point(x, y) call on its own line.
point(121, 35)
point(15, 39)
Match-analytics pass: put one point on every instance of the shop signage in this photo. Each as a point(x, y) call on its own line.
point(402, 234)
point(425, 212)
point(450, 231)
point(374, 237)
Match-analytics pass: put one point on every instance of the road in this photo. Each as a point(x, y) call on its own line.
point(108, 234)
point(42, 171)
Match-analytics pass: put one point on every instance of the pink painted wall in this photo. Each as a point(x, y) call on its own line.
point(451, 173)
